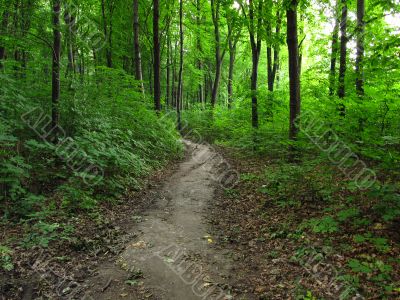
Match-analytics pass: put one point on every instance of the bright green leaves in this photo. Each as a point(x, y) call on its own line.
point(324, 225)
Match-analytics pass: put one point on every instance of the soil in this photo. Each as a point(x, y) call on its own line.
point(173, 256)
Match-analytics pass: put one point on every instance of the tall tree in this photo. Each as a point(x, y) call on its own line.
point(199, 49)
point(108, 28)
point(156, 58)
point(136, 44)
point(169, 63)
point(180, 80)
point(3, 30)
point(219, 56)
point(273, 45)
point(277, 46)
point(69, 20)
point(360, 47)
point(254, 25)
point(294, 72)
point(334, 51)
point(343, 52)
point(55, 96)
point(234, 33)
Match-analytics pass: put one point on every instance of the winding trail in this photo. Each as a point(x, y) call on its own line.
point(173, 256)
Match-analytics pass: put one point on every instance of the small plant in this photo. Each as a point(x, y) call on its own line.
point(361, 222)
point(346, 214)
point(381, 244)
point(359, 267)
point(232, 193)
point(324, 225)
point(288, 203)
point(43, 233)
point(249, 177)
point(137, 219)
point(389, 201)
point(309, 296)
point(5, 258)
point(380, 270)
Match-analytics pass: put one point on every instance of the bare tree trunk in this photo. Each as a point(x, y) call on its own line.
point(106, 33)
point(169, 62)
point(343, 52)
point(215, 5)
point(206, 87)
point(294, 74)
point(110, 47)
point(136, 44)
point(55, 96)
point(255, 55)
point(254, 80)
point(276, 48)
point(360, 47)
point(334, 52)
point(156, 48)
point(4, 25)
point(16, 33)
point(173, 87)
point(70, 22)
point(200, 50)
point(180, 80)
point(232, 53)
point(269, 59)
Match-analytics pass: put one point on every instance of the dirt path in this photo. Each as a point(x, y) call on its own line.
point(173, 256)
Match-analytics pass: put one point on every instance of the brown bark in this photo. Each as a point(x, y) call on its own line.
point(156, 53)
point(56, 63)
point(360, 47)
point(294, 74)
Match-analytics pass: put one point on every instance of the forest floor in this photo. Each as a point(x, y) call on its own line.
point(185, 237)
point(155, 244)
point(172, 256)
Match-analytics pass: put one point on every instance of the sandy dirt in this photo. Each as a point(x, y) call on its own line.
point(173, 256)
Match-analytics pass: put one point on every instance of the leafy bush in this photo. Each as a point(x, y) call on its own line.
point(5, 258)
point(324, 225)
point(109, 127)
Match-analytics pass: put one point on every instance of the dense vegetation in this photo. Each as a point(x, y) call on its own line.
point(94, 96)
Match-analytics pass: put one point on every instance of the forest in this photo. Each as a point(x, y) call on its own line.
point(264, 133)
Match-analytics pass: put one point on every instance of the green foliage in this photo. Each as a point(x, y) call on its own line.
point(324, 225)
point(359, 267)
point(107, 124)
point(388, 204)
point(41, 234)
point(381, 244)
point(346, 214)
point(6, 258)
point(380, 270)
point(309, 296)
